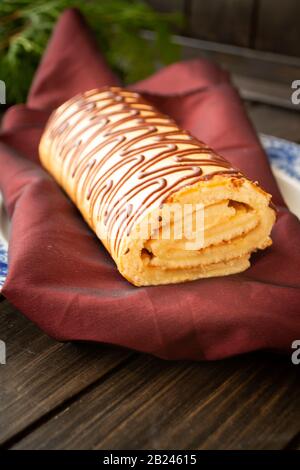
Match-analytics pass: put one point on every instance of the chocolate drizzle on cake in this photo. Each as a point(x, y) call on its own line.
point(124, 154)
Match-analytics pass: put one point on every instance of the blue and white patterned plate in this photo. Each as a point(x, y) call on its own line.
point(284, 157)
point(3, 243)
point(3, 263)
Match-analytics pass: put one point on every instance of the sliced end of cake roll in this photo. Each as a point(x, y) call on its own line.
point(235, 219)
point(166, 206)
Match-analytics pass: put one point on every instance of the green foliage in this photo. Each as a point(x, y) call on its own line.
point(25, 27)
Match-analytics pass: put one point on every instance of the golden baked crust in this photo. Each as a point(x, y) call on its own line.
point(123, 164)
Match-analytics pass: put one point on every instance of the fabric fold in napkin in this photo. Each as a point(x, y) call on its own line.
point(61, 277)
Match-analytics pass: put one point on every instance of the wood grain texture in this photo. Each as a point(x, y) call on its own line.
point(267, 25)
point(278, 26)
point(222, 21)
point(247, 402)
point(41, 373)
point(70, 396)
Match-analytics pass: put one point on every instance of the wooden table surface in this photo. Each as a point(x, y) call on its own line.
point(90, 396)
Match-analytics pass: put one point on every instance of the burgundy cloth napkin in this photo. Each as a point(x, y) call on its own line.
point(62, 278)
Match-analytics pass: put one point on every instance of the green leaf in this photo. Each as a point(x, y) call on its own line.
point(25, 27)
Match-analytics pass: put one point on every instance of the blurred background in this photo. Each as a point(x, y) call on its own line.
point(252, 38)
point(265, 25)
point(258, 41)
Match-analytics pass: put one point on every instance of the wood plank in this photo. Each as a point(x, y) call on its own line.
point(246, 402)
point(265, 91)
point(222, 21)
point(278, 26)
point(41, 374)
point(275, 121)
point(243, 61)
point(260, 77)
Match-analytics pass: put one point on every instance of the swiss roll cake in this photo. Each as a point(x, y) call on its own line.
point(166, 206)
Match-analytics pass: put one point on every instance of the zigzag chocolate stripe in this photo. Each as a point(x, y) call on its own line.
point(123, 153)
